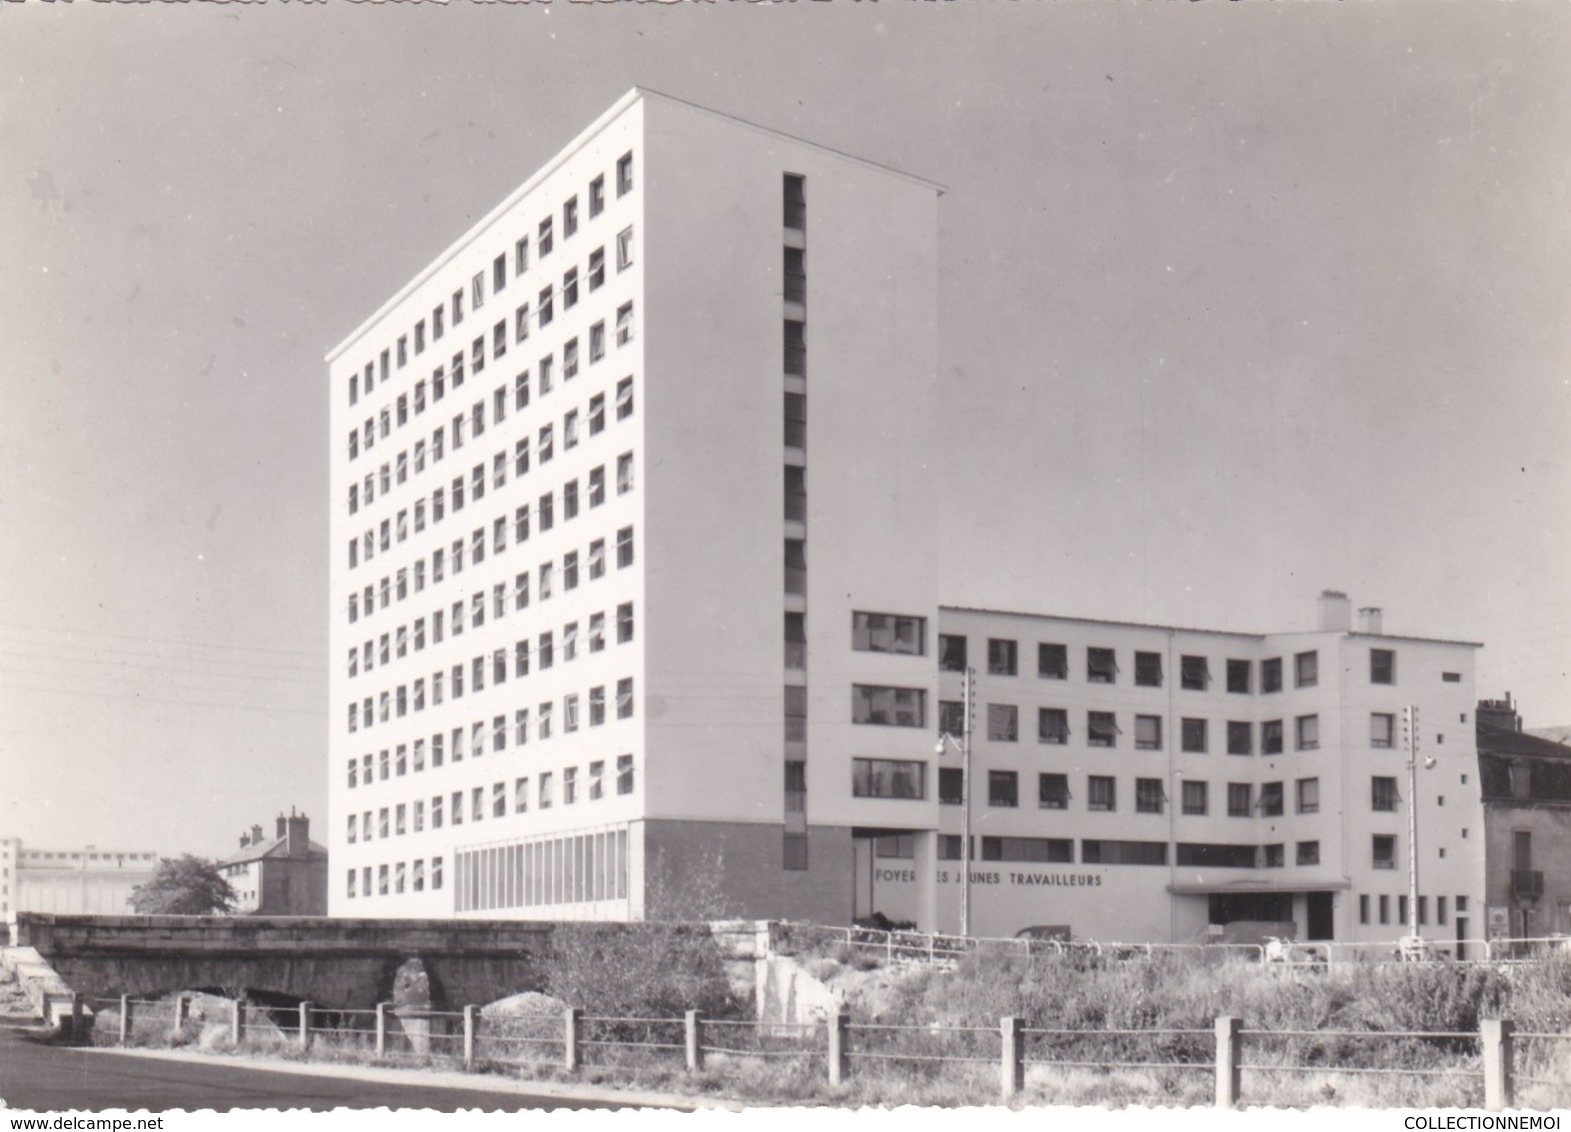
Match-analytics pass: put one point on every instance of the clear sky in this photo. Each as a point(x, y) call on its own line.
point(1238, 302)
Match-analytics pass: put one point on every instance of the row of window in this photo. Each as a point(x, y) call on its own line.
point(499, 276)
point(575, 868)
point(399, 702)
point(1101, 665)
point(496, 801)
point(1102, 851)
point(794, 844)
point(398, 585)
point(398, 470)
point(1383, 904)
point(394, 879)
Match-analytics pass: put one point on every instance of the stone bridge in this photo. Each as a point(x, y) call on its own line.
point(345, 963)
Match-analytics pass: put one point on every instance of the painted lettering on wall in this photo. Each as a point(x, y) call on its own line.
point(945, 876)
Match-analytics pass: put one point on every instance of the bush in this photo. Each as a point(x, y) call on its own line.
point(639, 971)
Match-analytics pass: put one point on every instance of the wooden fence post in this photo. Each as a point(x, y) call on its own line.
point(237, 1021)
point(572, 1022)
point(1012, 1065)
point(1229, 1046)
point(1499, 1070)
point(695, 1042)
point(182, 1011)
point(305, 1025)
point(125, 1018)
point(840, 1047)
point(471, 1025)
point(381, 1029)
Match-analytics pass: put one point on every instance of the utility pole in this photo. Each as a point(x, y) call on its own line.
point(965, 804)
point(1410, 725)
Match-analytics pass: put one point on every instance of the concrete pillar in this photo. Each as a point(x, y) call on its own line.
point(182, 1011)
point(381, 1028)
point(694, 1041)
point(572, 1022)
point(471, 1028)
point(237, 1021)
point(1499, 1068)
point(125, 1019)
point(840, 1047)
point(1229, 1049)
point(305, 1025)
point(78, 1024)
point(925, 864)
point(1012, 1065)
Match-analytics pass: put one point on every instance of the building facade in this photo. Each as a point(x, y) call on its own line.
point(628, 493)
point(585, 541)
point(282, 876)
point(1527, 821)
point(81, 881)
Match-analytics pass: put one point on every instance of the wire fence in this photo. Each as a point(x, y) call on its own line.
point(1244, 1062)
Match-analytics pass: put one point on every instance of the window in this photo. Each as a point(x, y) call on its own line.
point(1101, 793)
point(1238, 676)
point(1194, 736)
point(597, 559)
point(546, 791)
point(1001, 657)
point(544, 313)
point(520, 333)
point(624, 324)
point(569, 216)
point(1382, 666)
point(1033, 849)
point(1194, 673)
point(1271, 675)
point(1308, 791)
point(1240, 799)
point(1148, 733)
point(624, 698)
point(624, 248)
point(1306, 669)
point(1101, 729)
point(570, 500)
point(521, 256)
point(888, 778)
point(1003, 723)
point(624, 398)
point(596, 632)
point(951, 653)
point(1382, 851)
point(624, 174)
point(1382, 729)
point(1052, 662)
point(477, 290)
point(1052, 726)
point(1271, 737)
point(624, 547)
point(1098, 852)
point(1052, 791)
point(1148, 669)
point(1307, 732)
point(1196, 797)
point(1382, 794)
point(888, 632)
point(1271, 799)
point(624, 774)
point(1148, 795)
point(1240, 737)
point(596, 197)
point(892, 707)
point(596, 340)
point(624, 473)
point(1101, 666)
point(570, 292)
point(543, 238)
point(1003, 789)
point(624, 623)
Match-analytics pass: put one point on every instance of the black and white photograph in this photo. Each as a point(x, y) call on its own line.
point(758, 556)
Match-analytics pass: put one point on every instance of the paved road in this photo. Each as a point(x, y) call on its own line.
point(52, 1078)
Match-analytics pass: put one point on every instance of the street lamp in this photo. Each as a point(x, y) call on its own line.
point(964, 747)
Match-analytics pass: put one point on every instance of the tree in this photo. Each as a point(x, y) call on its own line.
point(187, 886)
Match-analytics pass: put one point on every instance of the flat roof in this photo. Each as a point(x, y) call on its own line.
point(615, 111)
point(1209, 632)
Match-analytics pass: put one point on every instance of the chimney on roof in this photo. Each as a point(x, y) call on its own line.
point(298, 831)
point(245, 838)
point(1336, 612)
point(283, 826)
point(1500, 713)
point(1371, 620)
point(256, 835)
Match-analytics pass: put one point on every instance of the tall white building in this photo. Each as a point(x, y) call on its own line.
point(632, 595)
point(606, 476)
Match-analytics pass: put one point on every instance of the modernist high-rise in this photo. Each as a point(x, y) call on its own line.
point(606, 474)
point(633, 586)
